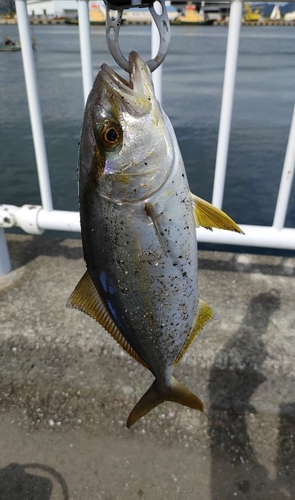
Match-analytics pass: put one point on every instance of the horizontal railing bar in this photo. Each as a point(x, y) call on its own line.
point(255, 236)
point(59, 220)
point(33, 219)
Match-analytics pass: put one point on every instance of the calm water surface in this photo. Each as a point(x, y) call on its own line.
point(192, 87)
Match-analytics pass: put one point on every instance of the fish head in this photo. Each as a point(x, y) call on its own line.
point(126, 148)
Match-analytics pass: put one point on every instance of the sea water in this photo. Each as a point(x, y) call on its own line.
point(192, 89)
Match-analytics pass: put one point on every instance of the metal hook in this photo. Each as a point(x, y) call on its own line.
point(112, 33)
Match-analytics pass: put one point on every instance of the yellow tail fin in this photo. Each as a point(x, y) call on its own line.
point(156, 394)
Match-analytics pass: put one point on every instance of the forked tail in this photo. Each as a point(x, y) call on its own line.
point(157, 394)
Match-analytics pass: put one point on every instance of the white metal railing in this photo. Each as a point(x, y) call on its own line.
point(35, 219)
point(230, 70)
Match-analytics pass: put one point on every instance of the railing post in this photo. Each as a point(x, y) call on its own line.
point(36, 123)
point(227, 100)
point(5, 264)
point(85, 47)
point(157, 74)
point(34, 103)
point(286, 180)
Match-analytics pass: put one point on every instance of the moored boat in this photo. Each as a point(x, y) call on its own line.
point(9, 45)
point(290, 16)
point(9, 48)
point(97, 13)
point(192, 17)
point(143, 15)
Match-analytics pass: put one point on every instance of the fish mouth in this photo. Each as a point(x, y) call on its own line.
point(135, 95)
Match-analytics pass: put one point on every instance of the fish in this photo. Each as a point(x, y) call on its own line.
point(138, 225)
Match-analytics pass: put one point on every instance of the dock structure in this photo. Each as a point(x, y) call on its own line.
point(66, 387)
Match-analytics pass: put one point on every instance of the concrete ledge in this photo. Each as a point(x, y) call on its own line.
point(61, 372)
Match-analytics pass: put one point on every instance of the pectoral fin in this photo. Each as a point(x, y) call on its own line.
point(86, 298)
point(208, 216)
point(150, 211)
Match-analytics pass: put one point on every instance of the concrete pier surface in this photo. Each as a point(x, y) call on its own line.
point(66, 388)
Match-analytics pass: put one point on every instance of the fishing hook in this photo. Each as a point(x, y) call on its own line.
point(113, 28)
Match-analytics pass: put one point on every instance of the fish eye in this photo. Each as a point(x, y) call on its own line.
point(110, 134)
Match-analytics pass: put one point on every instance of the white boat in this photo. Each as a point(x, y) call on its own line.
point(290, 16)
point(276, 13)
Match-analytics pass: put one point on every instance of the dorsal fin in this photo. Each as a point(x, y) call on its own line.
point(85, 297)
point(204, 314)
point(208, 216)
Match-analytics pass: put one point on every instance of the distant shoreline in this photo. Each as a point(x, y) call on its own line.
point(54, 22)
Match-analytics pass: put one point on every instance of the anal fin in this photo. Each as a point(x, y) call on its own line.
point(204, 314)
point(86, 298)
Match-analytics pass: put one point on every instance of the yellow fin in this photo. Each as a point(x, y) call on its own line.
point(208, 216)
point(157, 394)
point(151, 398)
point(86, 298)
point(204, 314)
point(180, 394)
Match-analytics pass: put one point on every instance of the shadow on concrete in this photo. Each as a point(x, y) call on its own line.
point(233, 265)
point(285, 460)
point(17, 484)
point(27, 248)
point(234, 378)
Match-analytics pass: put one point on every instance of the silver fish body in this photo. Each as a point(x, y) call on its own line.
point(138, 224)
